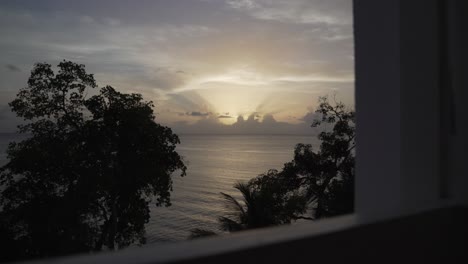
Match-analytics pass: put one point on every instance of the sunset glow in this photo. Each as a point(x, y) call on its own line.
point(204, 61)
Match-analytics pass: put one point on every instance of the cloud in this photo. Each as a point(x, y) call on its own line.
point(246, 78)
point(330, 33)
point(239, 56)
point(87, 20)
point(184, 101)
point(111, 21)
point(252, 124)
point(12, 68)
point(166, 78)
point(188, 103)
point(107, 44)
point(309, 117)
point(269, 119)
point(198, 113)
point(242, 4)
point(8, 119)
point(4, 111)
point(299, 12)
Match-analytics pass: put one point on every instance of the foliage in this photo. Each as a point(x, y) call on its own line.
point(85, 177)
point(198, 233)
point(265, 202)
point(328, 174)
point(323, 180)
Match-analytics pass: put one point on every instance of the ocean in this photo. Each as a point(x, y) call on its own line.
point(215, 163)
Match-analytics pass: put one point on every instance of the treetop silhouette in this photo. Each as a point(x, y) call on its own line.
point(315, 184)
point(85, 177)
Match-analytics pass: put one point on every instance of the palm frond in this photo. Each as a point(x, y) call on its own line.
point(246, 193)
point(232, 204)
point(227, 224)
point(197, 233)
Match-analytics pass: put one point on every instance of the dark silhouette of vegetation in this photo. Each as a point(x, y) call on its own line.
point(265, 202)
point(197, 233)
point(84, 179)
point(324, 177)
point(322, 181)
point(327, 175)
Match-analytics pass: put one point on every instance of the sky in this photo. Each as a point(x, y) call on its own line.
point(210, 66)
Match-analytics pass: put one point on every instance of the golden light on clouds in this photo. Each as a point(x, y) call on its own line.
point(200, 61)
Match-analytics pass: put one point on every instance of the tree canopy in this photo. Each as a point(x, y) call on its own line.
point(327, 175)
point(265, 202)
point(315, 184)
point(84, 178)
point(324, 177)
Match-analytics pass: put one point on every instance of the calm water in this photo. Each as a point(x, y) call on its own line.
point(215, 164)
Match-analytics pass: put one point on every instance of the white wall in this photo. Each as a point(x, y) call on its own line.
point(420, 105)
point(459, 62)
point(405, 151)
point(377, 53)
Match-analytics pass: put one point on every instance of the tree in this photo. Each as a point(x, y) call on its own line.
point(332, 187)
point(199, 233)
point(327, 175)
point(85, 177)
point(323, 180)
point(265, 202)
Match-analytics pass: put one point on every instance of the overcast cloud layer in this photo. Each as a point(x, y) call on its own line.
point(257, 66)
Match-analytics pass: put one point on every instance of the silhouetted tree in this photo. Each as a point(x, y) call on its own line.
point(198, 233)
point(326, 175)
point(85, 177)
point(323, 180)
point(265, 202)
point(331, 187)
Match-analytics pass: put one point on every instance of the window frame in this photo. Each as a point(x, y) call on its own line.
point(389, 37)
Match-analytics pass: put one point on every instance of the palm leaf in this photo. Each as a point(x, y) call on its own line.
point(246, 193)
point(234, 207)
point(229, 225)
point(197, 233)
